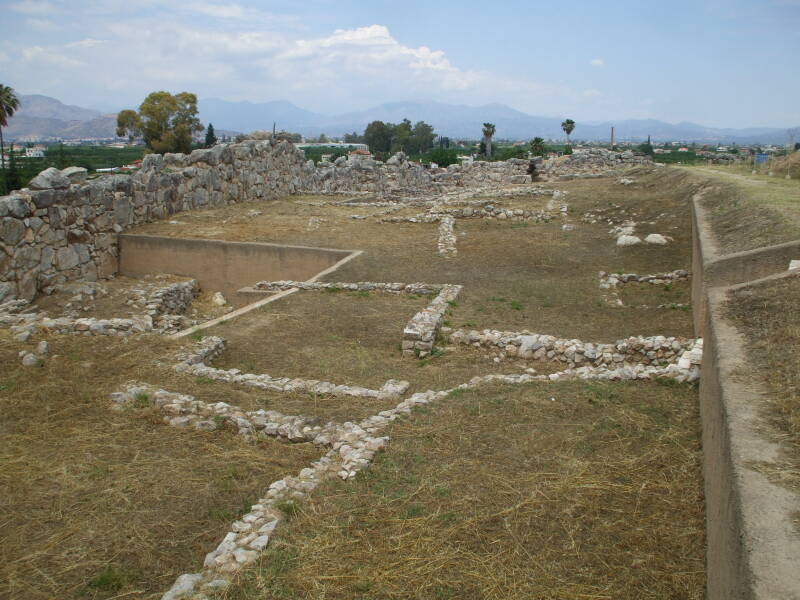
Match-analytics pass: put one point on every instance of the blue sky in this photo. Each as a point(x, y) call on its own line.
point(720, 63)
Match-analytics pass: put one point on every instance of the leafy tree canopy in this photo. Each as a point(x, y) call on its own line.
point(537, 147)
point(167, 122)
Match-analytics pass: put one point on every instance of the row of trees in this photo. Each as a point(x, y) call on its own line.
point(390, 137)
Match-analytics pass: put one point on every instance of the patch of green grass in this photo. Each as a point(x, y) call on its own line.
point(516, 305)
point(361, 294)
point(197, 336)
point(203, 380)
point(332, 290)
point(413, 511)
point(109, 579)
point(141, 399)
point(290, 508)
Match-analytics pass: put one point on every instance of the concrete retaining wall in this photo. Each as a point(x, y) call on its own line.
point(221, 266)
point(752, 545)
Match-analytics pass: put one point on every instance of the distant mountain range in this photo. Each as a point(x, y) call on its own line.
point(42, 117)
point(47, 118)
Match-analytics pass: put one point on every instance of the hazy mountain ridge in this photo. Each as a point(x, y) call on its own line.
point(45, 117)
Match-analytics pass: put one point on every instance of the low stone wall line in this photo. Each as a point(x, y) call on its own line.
point(420, 332)
point(634, 350)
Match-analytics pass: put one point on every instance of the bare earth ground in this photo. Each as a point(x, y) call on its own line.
point(596, 492)
point(750, 211)
point(769, 317)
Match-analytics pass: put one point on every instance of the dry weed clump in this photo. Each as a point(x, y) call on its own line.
point(572, 490)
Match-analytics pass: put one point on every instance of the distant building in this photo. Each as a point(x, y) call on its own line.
point(36, 151)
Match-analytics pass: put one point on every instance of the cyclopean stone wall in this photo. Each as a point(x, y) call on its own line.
point(69, 231)
point(65, 228)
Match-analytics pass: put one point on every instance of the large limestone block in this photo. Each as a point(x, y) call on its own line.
point(50, 178)
point(75, 174)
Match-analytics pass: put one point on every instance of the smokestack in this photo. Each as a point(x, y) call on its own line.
point(612, 137)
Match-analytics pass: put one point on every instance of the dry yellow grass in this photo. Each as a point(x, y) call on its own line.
point(562, 491)
point(546, 497)
point(749, 211)
point(98, 503)
point(769, 318)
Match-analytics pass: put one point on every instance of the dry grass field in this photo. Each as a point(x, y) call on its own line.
point(769, 317)
point(567, 490)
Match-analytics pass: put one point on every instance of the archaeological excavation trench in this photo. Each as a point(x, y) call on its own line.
point(426, 389)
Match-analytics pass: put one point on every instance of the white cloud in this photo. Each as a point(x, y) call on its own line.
point(597, 62)
point(87, 43)
point(220, 11)
point(347, 69)
point(42, 24)
point(46, 56)
point(34, 7)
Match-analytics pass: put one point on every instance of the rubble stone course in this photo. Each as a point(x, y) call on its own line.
point(640, 350)
point(609, 280)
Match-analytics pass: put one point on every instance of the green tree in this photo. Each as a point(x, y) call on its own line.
point(211, 138)
point(9, 104)
point(402, 137)
point(167, 122)
point(568, 125)
point(537, 147)
point(422, 138)
point(443, 157)
point(488, 133)
point(378, 136)
point(353, 138)
point(129, 124)
point(646, 148)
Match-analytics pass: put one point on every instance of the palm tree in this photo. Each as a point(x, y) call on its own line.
point(9, 103)
point(488, 133)
point(568, 126)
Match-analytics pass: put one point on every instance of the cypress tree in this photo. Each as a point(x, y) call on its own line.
point(211, 138)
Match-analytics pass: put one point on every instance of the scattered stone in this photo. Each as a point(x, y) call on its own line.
point(29, 360)
point(658, 239)
point(628, 240)
point(218, 299)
